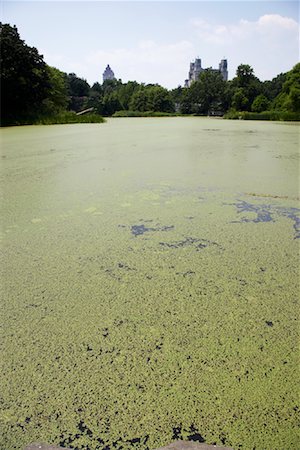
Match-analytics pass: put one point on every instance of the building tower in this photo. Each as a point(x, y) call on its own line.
point(196, 69)
point(108, 74)
point(223, 69)
point(194, 72)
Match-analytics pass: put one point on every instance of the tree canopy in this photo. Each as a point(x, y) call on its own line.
point(25, 79)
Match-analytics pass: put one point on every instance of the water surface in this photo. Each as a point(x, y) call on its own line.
point(150, 284)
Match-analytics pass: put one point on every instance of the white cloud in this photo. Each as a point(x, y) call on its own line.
point(270, 44)
point(269, 24)
point(278, 21)
point(148, 62)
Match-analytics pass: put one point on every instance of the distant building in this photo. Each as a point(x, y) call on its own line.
point(223, 69)
point(108, 74)
point(196, 69)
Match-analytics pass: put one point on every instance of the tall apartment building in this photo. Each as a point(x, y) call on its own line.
point(223, 69)
point(196, 69)
point(108, 74)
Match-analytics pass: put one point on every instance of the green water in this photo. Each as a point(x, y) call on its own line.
point(150, 284)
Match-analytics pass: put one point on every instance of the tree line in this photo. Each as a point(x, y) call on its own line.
point(31, 90)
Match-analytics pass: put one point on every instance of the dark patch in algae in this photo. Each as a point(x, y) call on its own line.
point(190, 241)
point(125, 267)
point(265, 213)
point(138, 230)
point(185, 274)
point(194, 435)
point(84, 429)
point(70, 440)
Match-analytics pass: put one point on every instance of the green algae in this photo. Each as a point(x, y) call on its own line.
point(172, 314)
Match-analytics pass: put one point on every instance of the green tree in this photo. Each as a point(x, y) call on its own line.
point(185, 105)
point(57, 97)
point(159, 99)
point(139, 100)
point(78, 91)
point(212, 90)
point(260, 104)
point(245, 87)
point(272, 88)
point(110, 86)
point(95, 98)
point(207, 94)
point(78, 87)
point(239, 100)
point(177, 96)
point(289, 98)
point(151, 98)
point(244, 74)
point(111, 104)
point(25, 78)
point(125, 92)
point(97, 88)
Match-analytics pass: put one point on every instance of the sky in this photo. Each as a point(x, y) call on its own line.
point(155, 41)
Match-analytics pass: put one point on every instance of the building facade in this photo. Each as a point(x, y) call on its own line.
point(108, 74)
point(223, 69)
point(196, 69)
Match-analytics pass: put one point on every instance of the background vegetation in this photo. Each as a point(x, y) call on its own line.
point(33, 92)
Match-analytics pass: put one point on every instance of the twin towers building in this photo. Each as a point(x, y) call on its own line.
point(194, 72)
point(196, 69)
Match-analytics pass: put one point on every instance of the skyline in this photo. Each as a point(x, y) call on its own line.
point(154, 42)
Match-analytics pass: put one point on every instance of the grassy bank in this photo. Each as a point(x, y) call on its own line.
point(144, 114)
point(241, 115)
point(70, 117)
point(60, 118)
point(266, 115)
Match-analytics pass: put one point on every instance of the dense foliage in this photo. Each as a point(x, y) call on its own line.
point(33, 92)
point(25, 78)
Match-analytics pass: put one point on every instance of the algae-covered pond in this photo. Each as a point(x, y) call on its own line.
point(150, 284)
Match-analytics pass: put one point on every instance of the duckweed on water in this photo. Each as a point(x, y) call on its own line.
point(171, 318)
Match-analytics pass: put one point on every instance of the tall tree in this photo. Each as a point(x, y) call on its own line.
point(57, 97)
point(151, 98)
point(139, 100)
point(245, 87)
point(289, 98)
point(125, 92)
point(159, 99)
point(78, 87)
point(207, 94)
point(244, 74)
point(271, 88)
point(260, 104)
point(25, 79)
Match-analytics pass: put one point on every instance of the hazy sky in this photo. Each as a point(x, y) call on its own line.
point(154, 42)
